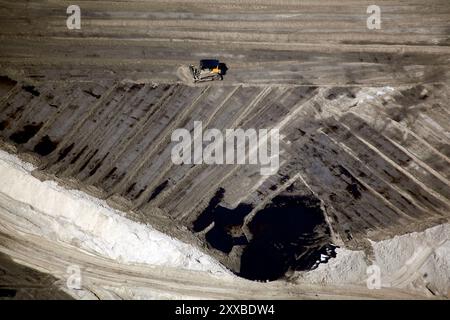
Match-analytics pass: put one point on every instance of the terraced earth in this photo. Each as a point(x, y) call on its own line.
point(363, 116)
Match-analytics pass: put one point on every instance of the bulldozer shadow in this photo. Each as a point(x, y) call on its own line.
point(223, 68)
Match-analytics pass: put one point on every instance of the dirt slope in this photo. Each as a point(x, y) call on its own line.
point(363, 115)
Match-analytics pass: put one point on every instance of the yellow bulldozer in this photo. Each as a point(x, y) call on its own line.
point(208, 70)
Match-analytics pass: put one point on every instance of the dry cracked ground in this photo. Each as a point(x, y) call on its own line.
point(363, 115)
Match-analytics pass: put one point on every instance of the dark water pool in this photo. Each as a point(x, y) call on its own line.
point(290, 233)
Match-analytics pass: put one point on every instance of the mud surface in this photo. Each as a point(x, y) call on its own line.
point(363, 115)
point(262, 42)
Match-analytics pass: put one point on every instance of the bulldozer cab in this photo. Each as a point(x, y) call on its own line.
point(212, 65)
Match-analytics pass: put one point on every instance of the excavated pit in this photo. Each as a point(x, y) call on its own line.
point(289, 233)
point(377, 174)
point(227, 229)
